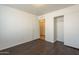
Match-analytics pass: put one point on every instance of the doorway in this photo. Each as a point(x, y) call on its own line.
point(42, 28)
point(59, 28)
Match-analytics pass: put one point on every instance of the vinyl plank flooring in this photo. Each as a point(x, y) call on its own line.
point(40, 47)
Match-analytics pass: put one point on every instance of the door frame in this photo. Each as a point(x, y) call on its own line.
point(55, 27)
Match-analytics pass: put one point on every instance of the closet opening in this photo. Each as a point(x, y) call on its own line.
point(59, 29)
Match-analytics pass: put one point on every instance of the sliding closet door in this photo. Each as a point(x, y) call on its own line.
point(71, 30)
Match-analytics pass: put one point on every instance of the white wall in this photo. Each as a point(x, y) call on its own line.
point(36, 30)
point(72, 30)
point(50, 24)
point(16, 27)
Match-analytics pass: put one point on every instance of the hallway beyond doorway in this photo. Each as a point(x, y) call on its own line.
point(42, 28)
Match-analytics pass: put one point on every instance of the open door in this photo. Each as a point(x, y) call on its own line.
point(42, 28)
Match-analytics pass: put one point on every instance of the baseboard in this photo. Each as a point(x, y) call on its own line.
point(72, 47)
point(16, 45)
point(50, 41)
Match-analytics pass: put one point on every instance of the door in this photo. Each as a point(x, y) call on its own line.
point(42, 28)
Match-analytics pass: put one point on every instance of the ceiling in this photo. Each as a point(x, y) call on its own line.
point(39, 9)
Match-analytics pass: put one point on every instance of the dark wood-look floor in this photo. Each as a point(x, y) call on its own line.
point(40, 47)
